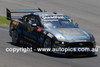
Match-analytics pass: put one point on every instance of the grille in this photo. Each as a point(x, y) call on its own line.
point(81, 44)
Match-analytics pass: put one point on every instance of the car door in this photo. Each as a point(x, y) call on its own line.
point(36, 31)
point(31, 30)
point(25, 25)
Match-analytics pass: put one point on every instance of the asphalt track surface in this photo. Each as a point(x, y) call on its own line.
point(85, 12)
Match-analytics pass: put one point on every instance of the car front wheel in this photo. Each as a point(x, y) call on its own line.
point(47, 45)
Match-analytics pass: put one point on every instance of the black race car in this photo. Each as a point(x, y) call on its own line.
point(50, 30)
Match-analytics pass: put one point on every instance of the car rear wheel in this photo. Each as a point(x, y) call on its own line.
point(15, 37)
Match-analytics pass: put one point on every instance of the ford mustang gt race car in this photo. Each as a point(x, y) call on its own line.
point(50, 30)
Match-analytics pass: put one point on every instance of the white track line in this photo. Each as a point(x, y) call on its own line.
point(4, 29)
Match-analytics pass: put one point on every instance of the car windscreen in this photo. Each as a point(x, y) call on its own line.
point(58, 23)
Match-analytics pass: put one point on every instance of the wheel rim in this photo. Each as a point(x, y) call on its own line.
point(47, 43)
point(14, 37)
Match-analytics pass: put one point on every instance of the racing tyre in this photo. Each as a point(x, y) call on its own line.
point(15, 37)
point(48, 45)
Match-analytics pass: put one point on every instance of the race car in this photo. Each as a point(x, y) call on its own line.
point(49, 30)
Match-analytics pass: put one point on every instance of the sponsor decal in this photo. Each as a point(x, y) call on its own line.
point(57, 42)
point(50, 35)
point(53, 17)
point(29, 39)
point(44, 32)
point(29, 29)
point(15, 24)
point(39, 30)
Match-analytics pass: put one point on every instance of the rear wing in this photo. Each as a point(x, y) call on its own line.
point(9, 12)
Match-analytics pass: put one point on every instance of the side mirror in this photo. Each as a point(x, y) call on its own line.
point(76, 24)
point(34, 25)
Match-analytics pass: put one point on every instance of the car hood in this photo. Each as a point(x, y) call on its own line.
point(70, 34)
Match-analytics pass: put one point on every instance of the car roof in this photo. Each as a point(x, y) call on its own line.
point(42, 14)
point(48, 13)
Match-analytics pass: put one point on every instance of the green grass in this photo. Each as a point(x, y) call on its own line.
point(4, 21)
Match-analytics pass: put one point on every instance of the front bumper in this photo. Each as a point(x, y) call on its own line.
point(86, 49)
